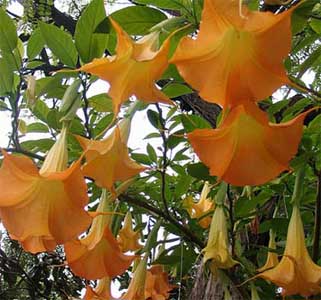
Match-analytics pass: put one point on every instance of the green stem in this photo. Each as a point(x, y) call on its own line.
point(221, 194)
point(298, 187)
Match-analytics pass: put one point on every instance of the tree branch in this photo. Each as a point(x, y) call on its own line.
point(25, 152)
point(317, 222)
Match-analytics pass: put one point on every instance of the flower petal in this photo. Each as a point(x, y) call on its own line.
point(133, 70)
point(240, 57)
point(296, 273)
point(108, 160)
point(98, 259)
point(51, 211)
point(240, 150)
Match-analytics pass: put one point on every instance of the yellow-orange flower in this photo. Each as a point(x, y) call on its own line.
point(98, 254)
point(235, 58)
point(201, 208)
point(246, 149)
point(272, 257)
point(43, 208)
point(217, 248)
point(157, 286)
point(128, 238)
point(134, 69)
point(101, 292)
point(108, 161)
point(136, 289)
point(296, 273)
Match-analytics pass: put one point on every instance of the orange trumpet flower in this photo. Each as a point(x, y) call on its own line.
point(157, 286)
point(236, 55)
point(201, 208)
point(128, 238)
point(43, 208)
point(134, 69)
point(296, 273)
point(108, 161)
point(136, 289)
point(101, 292)
point(98, 254)
point(246, 149)
point(272, 258)
point(217, 248)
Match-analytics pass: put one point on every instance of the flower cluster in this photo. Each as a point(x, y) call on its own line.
point(235, 61)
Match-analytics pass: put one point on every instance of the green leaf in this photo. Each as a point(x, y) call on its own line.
point(53, 119)
point(199, 171)
point(179, 156)
point(35, 44)
point(60, 43)
point(310, 61)
point(280, 225)
point(192, 122)
point(34, 64)
point(3, 105)
point(316, 25)
point(141, 158)
point(296, 108)
point(175, 139)
point(101, 103)
point(245, 206)
point(8, 33)
point(174, 90)
point(40, 145)
point(137, 20)
point(102, 124)
point(6, 76)
point(151, 152)
point(37, 127)
point(167, 4)
point(41, 110)
point(90, 44)
point(153, 118)
point(182, 186)
point(152, 135)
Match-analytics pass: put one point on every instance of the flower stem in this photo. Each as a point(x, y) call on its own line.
point(298, 188)
point(221, 194)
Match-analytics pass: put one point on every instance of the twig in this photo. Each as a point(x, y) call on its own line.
point(85, 108)
point(14, 101)
point(25, 152)
point(231, 215)
point(302, 88)
point(164, 160)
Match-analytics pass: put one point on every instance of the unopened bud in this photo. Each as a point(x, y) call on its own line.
point(71, 95)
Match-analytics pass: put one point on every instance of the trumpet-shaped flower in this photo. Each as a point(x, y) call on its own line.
point(136, 289)
point(157, 286)
point(43, 208)
point(108, 160)
point(98, 254)
point(296, 273)
point(201, 208)
point(128, 238)
point(235, 57)
point(246, 149)
point(272, 258)
point(101, 292)
point(217, 248)
point(134, 69)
